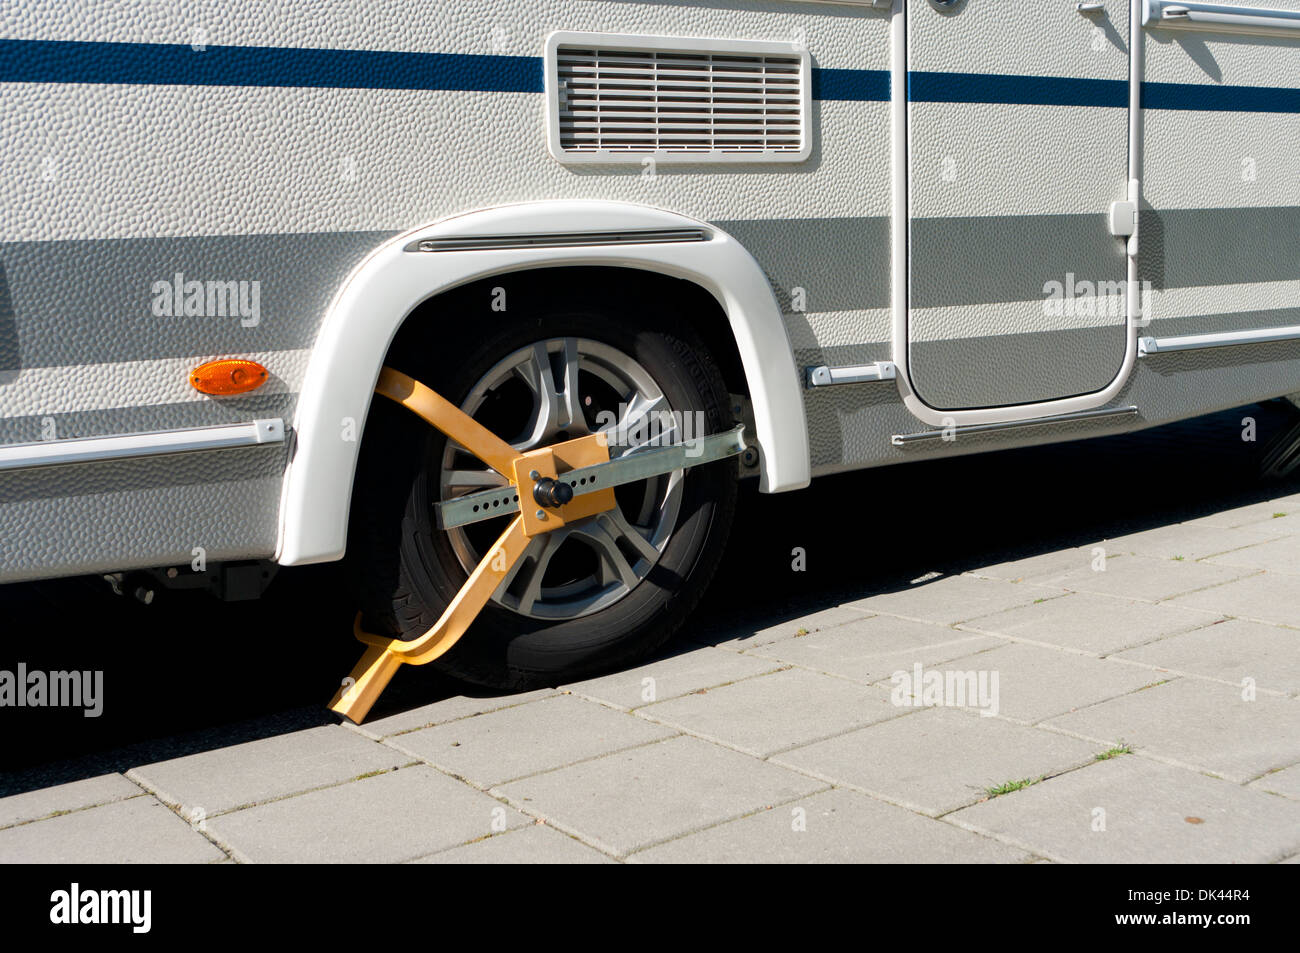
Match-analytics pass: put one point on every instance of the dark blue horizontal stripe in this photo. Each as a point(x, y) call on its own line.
point(70, 61)
point(1015, 90)
point(859, 85)
point(61, 61)
point(1237, 99)
point(1068, 91)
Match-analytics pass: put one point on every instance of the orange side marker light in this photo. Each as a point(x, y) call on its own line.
point(222, 378)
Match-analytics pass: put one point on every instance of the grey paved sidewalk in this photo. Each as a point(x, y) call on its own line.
point(1144, 709)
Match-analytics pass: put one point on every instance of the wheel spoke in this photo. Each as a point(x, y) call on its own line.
point(602, 535)
point(541, 380)
point(531, 570)
point(640, 413)
point(660, 493)
point(474, 478)
point(664, 437)
point(574, 420)
point(519, 565)
point(557, 405)
point(623, 528)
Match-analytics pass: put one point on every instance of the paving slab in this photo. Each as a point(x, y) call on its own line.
point(1190, 541)
point(1263, 597)
point(781, 740)
point(1285, 781)
point(1204, 724)
point(873, 648)
point(138, 830)
point(1142, 577)
point(1231, 651)
point(636, 798)
point(953, 599)
point(64, 798)
point(358, 822)
point(834, 827)
point(226, 778)
point(738, 639)
point(1151, 813)
point(1035, 682)
point(1038, 566)
point(441, 712)
point(534, 844)
point(672, 677)
point(1088, 622)
point(1288, 524)
point(1280, 555)
point(938, 759)
point(514, 742)
point(1254, 513)
point(761, 716)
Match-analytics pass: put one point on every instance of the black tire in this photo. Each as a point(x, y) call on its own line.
point(408, 571)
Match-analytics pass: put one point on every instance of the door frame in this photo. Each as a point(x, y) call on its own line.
point(901, 253)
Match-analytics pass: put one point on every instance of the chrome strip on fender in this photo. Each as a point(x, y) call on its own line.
point(558, 240)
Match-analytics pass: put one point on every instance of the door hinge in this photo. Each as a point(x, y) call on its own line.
point(1123, 218)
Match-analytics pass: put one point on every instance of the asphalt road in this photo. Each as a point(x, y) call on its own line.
point(189, 674)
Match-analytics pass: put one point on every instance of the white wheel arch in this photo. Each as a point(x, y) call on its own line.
point(385, 288)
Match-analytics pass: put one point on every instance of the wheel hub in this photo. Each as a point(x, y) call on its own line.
point(546, 393)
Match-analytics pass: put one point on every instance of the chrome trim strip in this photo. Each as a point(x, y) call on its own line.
point(664, 236)
point(125, 446)
point(825, 376)
point(952, 433)
point(1192, 342)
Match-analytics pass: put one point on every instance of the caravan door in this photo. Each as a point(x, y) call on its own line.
point(1018, 126)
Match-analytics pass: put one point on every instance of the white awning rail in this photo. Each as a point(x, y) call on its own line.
point(1221, 17)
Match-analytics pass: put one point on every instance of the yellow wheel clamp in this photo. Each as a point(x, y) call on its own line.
point(549, 488)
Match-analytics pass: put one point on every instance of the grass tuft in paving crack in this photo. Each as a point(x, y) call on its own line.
point(1006, 787)
point(1115, 752)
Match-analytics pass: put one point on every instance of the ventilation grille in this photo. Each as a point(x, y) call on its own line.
point(687, 103)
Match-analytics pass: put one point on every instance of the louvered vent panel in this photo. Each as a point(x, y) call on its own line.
point(664, 101)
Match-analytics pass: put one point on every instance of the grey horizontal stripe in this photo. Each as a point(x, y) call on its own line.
point(128, 420)
point(987, 260)
point(1190, 248)
point(841, 263)
point(1016, 368)
point(116, 476)
point(1220, 323)
point(90, 301)
point(844, 355)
